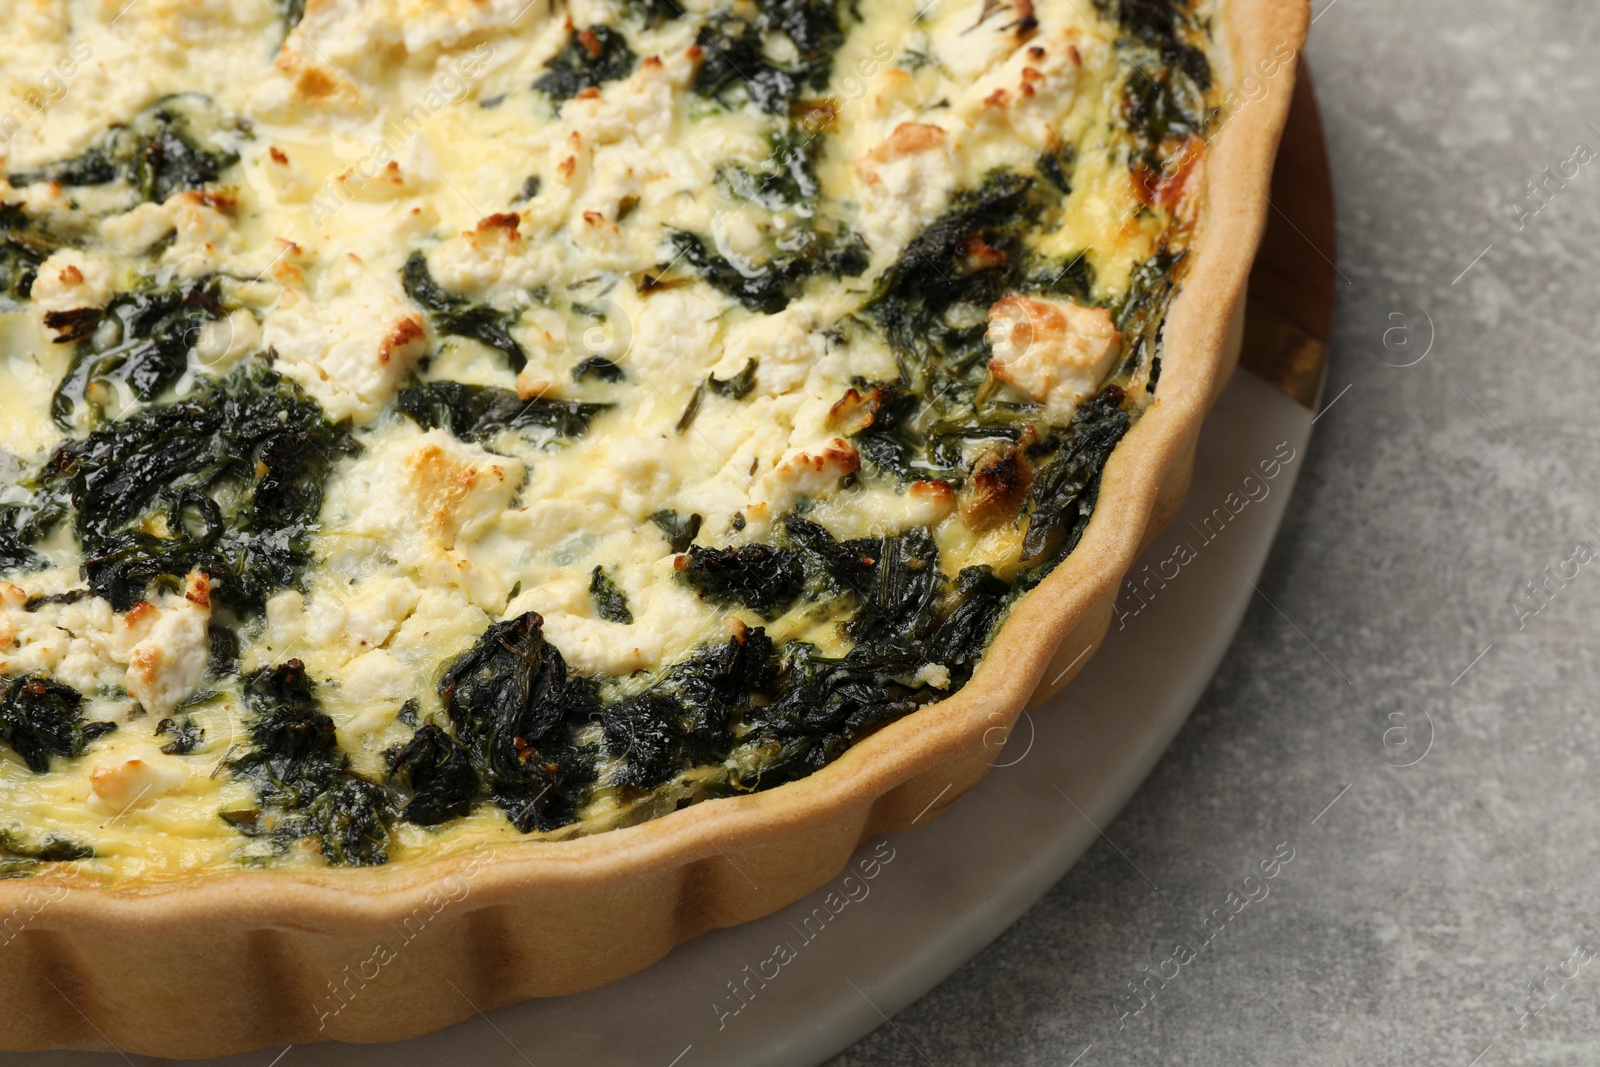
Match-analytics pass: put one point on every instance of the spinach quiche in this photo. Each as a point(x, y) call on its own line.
point(436, 423)
point(492, 489)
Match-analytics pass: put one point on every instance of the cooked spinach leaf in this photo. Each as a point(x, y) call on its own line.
point(769, 715)
point(1143, 311)
point(457, 315)
point(1069, 276)
point(764, 578)
point(223, 660)
point(301, 777)
point(739, 64)
point(51, 848)
point(515, 709)
point(655, 12)
point(146, 352)
point(438, 770)
point(738, 387)
point(680, 532)
point(1056, 164)
point(785, 180)
point(687, 719)
point(610, 602)
point(691, 409)
point(768, 286)
point(227, 480)
point(600, 367)
point(967, 258)
point(479, 412)
point(1165, 26)
point(591, 58)
point(933, 306)
point(291, 11)
point(20, 526)
point(909, 621)
point(647, 734)
point(906, 610)
point(40, 718)
point(1066, 485)
point(23, 247)
point(20, 858)
point(1163, 97)
point(940, 419)
point(186, 734)
point(801, 241)
point(180, 142)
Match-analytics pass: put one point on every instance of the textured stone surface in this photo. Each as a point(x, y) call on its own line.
point(1419, 906)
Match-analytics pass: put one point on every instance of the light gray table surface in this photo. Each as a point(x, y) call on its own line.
point(1394, 612)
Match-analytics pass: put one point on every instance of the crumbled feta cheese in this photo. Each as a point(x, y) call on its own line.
point(351, 342)
point(905, 182)
point(1051, 350)
point(71, 279)
point(133, 777)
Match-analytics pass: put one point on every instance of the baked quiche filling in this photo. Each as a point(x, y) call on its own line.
point(429, 421)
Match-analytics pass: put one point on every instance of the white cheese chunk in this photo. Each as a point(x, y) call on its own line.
point(784, 347)
point(156, 651)
point(905, 182)
point(434, 504)
point(351, 342)
point(71, 279)
point(1050, 350)
point(170, 646)
point(198, 223)
point(132, 777)
point(1028, 91)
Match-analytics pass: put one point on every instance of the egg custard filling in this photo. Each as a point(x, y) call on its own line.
point(436, 421)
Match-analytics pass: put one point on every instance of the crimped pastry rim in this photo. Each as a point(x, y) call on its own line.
point(348, 902)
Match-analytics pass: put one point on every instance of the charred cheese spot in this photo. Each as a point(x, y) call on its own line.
point(1000, 480)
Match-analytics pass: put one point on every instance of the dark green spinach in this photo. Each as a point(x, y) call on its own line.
point(480, 412)
point(591, 58)
point(301, 777)
point(147, 352)
point(768, 286)
point(738, 64)
point(457, 315)
point(176, 144)
point(610, 602)
point(516, 710)
point(227, 480)
point(40, 718)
